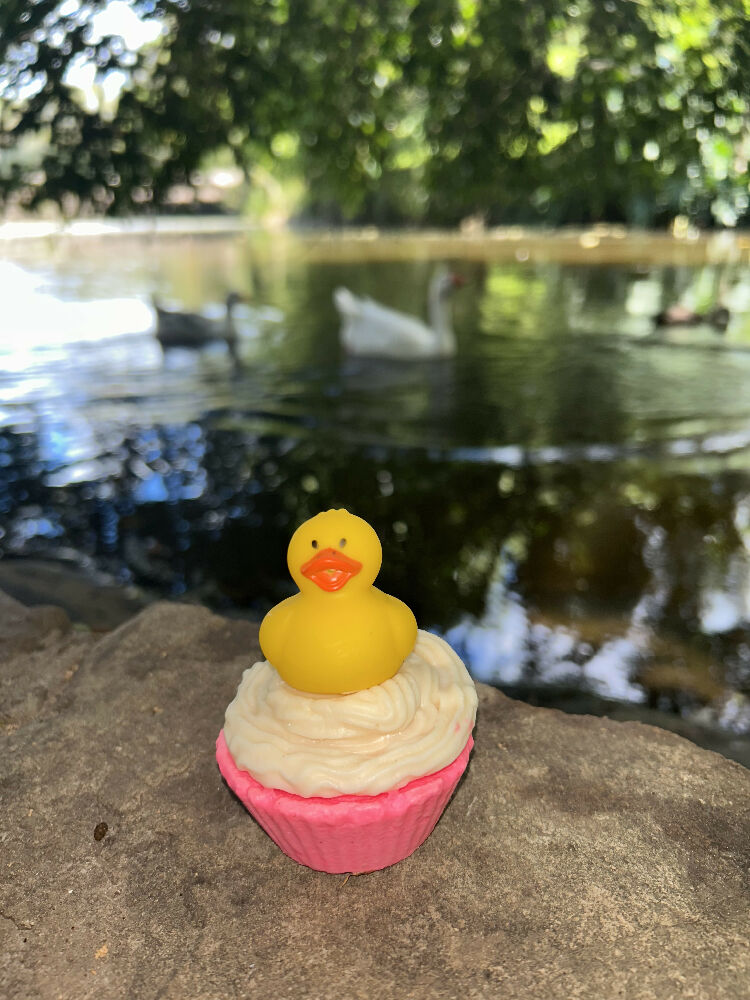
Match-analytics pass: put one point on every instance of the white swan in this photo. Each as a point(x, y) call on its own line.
point(375, 330)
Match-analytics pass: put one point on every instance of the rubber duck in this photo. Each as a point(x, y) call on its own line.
point(339, 634)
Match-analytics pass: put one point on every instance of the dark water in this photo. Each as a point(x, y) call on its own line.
point(568, 499)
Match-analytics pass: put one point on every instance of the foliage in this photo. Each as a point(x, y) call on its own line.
point(397, 110)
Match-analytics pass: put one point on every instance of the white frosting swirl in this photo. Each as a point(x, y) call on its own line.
point(364, 743)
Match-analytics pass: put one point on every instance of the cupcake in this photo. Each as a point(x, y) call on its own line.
point(348, 740)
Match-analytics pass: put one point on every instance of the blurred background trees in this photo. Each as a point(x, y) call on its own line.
point(555, 111)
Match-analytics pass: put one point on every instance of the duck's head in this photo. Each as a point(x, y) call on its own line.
point(333, 552)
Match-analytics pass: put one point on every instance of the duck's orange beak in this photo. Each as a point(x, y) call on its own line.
point(330, 569)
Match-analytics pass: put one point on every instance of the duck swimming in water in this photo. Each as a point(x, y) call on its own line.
point(194, 331)
point(369, 328)
point(339, 634)
point(678, 315)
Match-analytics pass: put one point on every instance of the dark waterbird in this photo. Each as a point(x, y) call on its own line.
point(678, 315)
point(194, 331)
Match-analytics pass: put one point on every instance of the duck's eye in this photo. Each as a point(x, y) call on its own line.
point(315, 543)
point(342, 543)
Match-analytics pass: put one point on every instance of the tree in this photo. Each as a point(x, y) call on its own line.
point(397, 110)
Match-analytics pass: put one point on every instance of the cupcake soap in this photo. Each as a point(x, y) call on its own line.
point(348, 740)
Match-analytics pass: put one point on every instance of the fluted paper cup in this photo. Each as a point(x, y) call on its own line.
point(347, 833)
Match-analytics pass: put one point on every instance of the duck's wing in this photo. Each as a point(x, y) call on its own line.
point(186, 329)
point(275, 628)
point(367, 327)
point(402, 625)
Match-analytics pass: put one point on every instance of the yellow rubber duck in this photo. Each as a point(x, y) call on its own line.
point(339, 634)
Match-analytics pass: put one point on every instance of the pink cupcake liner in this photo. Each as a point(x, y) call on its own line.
point(347, 833)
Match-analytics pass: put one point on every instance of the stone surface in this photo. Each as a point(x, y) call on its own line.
point(82, 595)
point(578, 858)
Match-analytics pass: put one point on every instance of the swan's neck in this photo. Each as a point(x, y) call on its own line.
point(440, 319)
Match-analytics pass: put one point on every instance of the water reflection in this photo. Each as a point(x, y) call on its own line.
point(567, 499)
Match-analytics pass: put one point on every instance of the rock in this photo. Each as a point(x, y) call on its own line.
point(37, 654)
point(86, 597)
point(579, 857)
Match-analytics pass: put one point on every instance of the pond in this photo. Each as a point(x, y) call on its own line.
point(567, 499)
